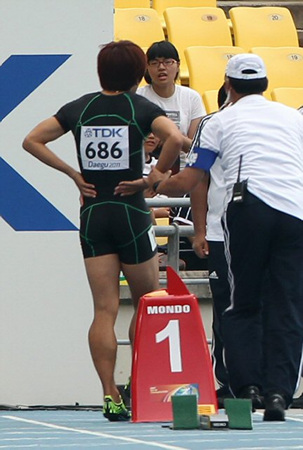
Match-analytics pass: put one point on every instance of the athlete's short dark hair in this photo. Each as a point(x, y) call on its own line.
point(121, 65)
point(256, 86)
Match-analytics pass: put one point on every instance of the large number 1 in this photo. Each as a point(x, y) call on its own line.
point(172, 332)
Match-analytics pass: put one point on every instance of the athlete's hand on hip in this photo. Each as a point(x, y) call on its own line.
point(86, 189)
point(125, 188)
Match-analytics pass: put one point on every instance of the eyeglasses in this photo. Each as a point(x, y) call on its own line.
point(165, 62)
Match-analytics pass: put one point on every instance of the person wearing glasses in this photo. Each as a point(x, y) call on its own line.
point(116, 233)
point(181, 104)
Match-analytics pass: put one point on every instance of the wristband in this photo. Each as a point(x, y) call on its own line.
point(155, 185)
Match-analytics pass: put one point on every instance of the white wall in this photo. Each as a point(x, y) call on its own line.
point(45, 304)
point(45, 301)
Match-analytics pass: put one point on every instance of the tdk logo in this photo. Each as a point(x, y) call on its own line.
point(106, 132)
point(168, 309)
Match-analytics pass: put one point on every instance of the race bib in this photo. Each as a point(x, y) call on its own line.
point(104, 148)
point(152, 238)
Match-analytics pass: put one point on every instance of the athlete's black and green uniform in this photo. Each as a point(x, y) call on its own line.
point(109, 131)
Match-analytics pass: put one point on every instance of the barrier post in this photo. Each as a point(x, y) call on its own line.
point(170, 355)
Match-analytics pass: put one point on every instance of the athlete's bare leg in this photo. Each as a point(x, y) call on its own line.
point(142, 278)
point(103, 276)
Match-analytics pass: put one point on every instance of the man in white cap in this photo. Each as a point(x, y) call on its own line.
point(260, 146)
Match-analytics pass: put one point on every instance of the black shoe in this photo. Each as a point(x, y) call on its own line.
point(274, 408)
point(252, 393)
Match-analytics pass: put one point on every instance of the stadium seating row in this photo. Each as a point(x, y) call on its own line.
point(207, 65)
point(203, 38)
point(290, 96)
point(161, 5)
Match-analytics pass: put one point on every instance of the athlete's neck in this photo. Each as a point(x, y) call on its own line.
point(105, 92)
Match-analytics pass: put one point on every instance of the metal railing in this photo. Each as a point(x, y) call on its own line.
point(173, 232)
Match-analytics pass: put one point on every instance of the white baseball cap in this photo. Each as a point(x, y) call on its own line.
point(246, 66)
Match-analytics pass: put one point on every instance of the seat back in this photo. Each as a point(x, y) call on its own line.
point(161, 5)
point(284, 66)
point(265, 26)
point(162, 221)
point(132, 3)
point(186, 27)
point(210, 100)
point(290, 96)
point(206, 66)
point(140, 25)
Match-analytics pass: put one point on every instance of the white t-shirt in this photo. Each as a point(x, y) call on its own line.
point(148, 166)
point(182, 107)
point(215, 201)
point(269, 136)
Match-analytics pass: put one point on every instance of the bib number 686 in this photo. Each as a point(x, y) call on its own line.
point(103, 151)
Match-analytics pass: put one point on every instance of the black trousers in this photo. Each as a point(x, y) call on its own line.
point(218, 280)
point(261, 240)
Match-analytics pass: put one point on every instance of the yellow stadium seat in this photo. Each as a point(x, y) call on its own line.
point(161, 5)
point(186, 27)
point(284, 66)
point(210, 100)
point(206, 66)
point(140, 25)
point(162, 221)
point(266, 26)
point(132, 3)
point(290, 96)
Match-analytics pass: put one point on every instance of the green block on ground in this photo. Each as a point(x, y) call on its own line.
point(239, 413)
point(185, 412)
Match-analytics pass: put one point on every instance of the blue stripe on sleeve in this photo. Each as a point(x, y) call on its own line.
point(201, 158)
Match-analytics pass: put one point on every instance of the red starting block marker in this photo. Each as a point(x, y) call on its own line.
point(170, 355)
